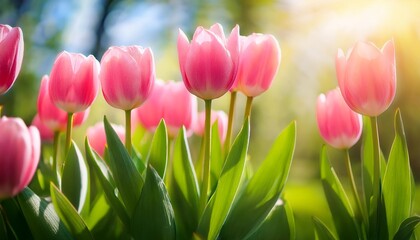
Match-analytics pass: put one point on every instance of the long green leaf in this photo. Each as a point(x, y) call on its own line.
point(279, 224)
point(264, 188)
point(158, 153)
point(128, 180)
point(397, 180)
point(153, 217)
point(184, 190)
point(321, 230)
point(68, 214)
point(41, 217)
point(217, 159)
point(74, 181)
point(116, 204)
point(338, 201)
point(406, 229)
point(3, 231)
point(16, 225)
point(215, 214)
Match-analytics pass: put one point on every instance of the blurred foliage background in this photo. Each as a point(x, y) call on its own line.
point(309, 33)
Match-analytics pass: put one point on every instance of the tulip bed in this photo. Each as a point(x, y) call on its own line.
point(142, 180)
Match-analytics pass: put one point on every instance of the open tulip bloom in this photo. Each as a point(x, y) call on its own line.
point(156, 185)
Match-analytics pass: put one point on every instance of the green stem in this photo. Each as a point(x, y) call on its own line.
point(376, 178)
point(230, 122)
point(354, 188)
point(1, 108)
point(128, 131)
point(248, 107)
point(55, 154)
point(206, 165)
point(69, 131)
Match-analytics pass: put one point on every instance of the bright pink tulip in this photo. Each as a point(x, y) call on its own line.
point(50, 115)
point(127, 76)
point(47, 135)
point(210, 62)
point(74, 81)
point(20, 151)
point(222, 121)
point(339, 126)
point(367, 77)
point(259, 61)
point(172, 102)
point(97, 137)
point(11, 56)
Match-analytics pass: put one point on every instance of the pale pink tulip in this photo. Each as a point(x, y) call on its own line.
point(127, 76)
point(259, 61)
point(222, 121)
point(367, 77)
point(11, 56)
point(210, 62)
point(20, 151)
point(74, 81)
point(47, 135)
point(172, 102)
point(50, 115)
point(97, 137)
point(338, 125)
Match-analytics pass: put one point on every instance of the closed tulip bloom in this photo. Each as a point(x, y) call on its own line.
point(97, 137)
point(209, 62)
point(222, 121)
point(47, 135)
point(127, 76)
point(74, 81)
point(50, 115)
point(179, 108)
point(11, 56)
point(172, 102)
point(150, 113)
point(338, 125)
point(20, 151)
point(367, 77)
point(259, 61)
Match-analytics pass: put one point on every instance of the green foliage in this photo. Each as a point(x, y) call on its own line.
point(41, 217)
point(74, 180)
point(321, 230)
point(184, 191)
point(263, 189)
point(158, 153)
point(128, 180)
point(217, 210)
point(69, 215)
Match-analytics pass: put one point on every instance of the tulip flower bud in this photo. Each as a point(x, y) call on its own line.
point(50, 115)
point(338, 125)
point(20, 151)
point(74, 81)
point(97, 137)
point(11, 56)
point(259, 61)
point(47, 135)
point(367, 77)
point(210, 62)
point(127, 76)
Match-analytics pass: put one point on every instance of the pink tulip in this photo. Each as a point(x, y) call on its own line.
point(127, 76)
point(11, 56)
point(367, 77)
point(339, 126)
point(74, 81)
point(50, 115)
point(210, 62)
point(97, 137)
point(170, 101)
point(259, 61)
point(222, 121)
point(47, 135)
point(20, 151)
